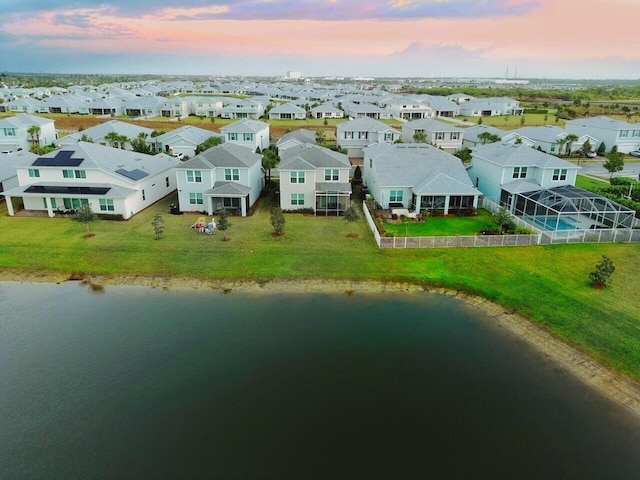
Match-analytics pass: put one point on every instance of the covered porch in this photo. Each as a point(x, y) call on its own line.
point(332, 198)
point(229, 196)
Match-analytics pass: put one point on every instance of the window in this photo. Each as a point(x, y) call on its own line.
point(636, 133)
point(34, 173)
point(371, 163)
point(396, 196)
point(553, 147)
point(9, 132)
point(297, 177)
point(53, 203)
point(455, 135)
point(144, 196)
point(624, 133)
point(233, 136)
point(560, 174)
point(331, 175)
point(106, 205)
point(439, 135)
point(519, 172)
point(388, 137)
point(74, 173)
point(363, 135)
point(231, 174)
point(194, 176)
point(75, 203)
point(196, 199)
point(231, 202)
point(297, 199)
point(348, 135)
point(167, 181)
point(248, 137)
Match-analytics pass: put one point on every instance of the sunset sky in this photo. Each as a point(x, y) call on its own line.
point(462, 38)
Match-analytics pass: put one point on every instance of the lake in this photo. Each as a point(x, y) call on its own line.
point(135, 382)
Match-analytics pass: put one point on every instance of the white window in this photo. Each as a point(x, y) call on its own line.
point(106, 205)
point(9, 132)
point(233, 136)
point(455, 135)
point(231, 174)
point(196, 198)
point(74, 173)
point(624, 133)
point(248, 137)
point(297, 199)
point(194, 176)
point(348, 135)
point(439, 135)
point(331, 175)
point(559, 174)
point(297, 177)
point(396, 195)
point(34, 173)
point(519, 172)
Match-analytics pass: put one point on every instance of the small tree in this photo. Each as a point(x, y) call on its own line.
point(278, 221)
point(321, 137)
point(604, 269)
point(208, 143)
point(352, 215)
point(223, 223)
point(140, 145)
point(586, 147)
point(85, 215)
point(502, 218)
point(158, 226)
point(420, 137)
point(602, 148)
point(269, 161)
point(614, 162)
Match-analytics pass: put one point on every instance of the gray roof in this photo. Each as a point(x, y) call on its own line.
point(547, 133)
point(24, 120)
point(230, 155)
point(431, 125)
point(302, 135)
point(472, 133)
point(10, 161)
point(365, 124)
point(287, 108)
point(513, 155)
point(311, 157)
point(229, 189)
point(188, 133)
point(521, 185)
point(602, 122)
point(246, 125)
point(98, 132)
point(112, 160)
point(426, 169)
point(333, 187)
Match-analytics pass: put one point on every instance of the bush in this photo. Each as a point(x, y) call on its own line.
point(111, 216)
point(604, 269)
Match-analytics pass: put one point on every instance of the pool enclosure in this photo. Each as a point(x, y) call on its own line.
point(570, 209)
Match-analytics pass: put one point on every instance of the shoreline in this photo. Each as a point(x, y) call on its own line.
point(612, 384)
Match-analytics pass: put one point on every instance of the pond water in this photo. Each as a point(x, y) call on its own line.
point(133, 382)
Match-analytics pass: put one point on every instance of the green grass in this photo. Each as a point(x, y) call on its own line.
point(440, 226)
point(590, 184)
point(513, 121)
point(547, 284)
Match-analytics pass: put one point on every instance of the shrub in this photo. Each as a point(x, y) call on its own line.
point(604, 269)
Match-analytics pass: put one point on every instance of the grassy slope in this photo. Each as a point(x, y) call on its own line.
point(546, 284)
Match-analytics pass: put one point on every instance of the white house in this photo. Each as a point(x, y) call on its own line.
point(418, 177)
point(501, 170)
point(228, 176)
point(184, 140)
point(9, 164)
point(625, 136)
point(441, 134)
point(357, 134)
point(110, 180)
point(407, 109)
point(287, 111)
point(365, 110)
point(550, 139)
point(489, 107)
point(316, 178)
point(237, 108)
point(14, 132)
point(474, 135)
point(295, 138)
point(326, 110)
point(248, 133)
point(100, 134)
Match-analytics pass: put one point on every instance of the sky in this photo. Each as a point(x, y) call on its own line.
point(581, 39)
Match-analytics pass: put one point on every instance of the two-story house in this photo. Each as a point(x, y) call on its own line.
point(22, 131)
point(550, 139)
point(357, 134)
point(503, 170)
point(228, 176)
point(106, 133)
point(237, 108)
point(316, 178)
point(183, 140)
point(294, 139)
point(248, 133)
point(418, 177)
point(489, 107)
point(614, 133)
point(440, 134)
point(109, 180)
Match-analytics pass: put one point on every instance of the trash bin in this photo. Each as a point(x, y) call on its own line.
point(174, 209)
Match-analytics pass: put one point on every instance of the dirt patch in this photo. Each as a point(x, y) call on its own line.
point(277, 234)
point(89, 235)
point(352, 235)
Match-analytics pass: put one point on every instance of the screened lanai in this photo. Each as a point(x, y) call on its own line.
point(569, 208)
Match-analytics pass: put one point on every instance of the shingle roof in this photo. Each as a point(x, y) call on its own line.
point(365, 124)
point(24, 120)
point(229, 189)
point(313, 155)
point(602, 122)
point(225, 155)
point(301, 134)
point(513, 155)
point(431, 125)
point(245, 126)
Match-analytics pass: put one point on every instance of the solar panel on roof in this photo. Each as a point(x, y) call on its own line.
point(67, 190)
point(135, 174)
point(62, 159)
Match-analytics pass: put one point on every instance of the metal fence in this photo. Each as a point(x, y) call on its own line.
point(613, 235)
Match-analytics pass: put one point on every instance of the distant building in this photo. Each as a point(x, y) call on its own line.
point(293, 75)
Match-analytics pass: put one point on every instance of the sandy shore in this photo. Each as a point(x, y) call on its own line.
point(616, 386)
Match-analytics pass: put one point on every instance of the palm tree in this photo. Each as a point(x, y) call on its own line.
point(321, 137)
point(113, 138)
point(488, 137)
point(123, 139)
point(155, 134)
point(561, 143)
point(420, 137)
point(572, 137)
point(34, 131)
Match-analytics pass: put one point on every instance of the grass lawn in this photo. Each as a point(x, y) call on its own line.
point(547, 284)
point(509, 122)
point(441, 226)
point(588, 183)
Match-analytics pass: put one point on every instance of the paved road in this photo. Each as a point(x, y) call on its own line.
point(594, 168)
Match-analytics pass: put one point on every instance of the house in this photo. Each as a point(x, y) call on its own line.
point(365, 110)
point(625, 136)
point(355, 135)
point(489, 107)
point(316, 178)
point(9, 163)
point(287, 111)
point(442, 106)
point(502, 170)
point(183, 140)
point(418, 177)
point(326, 110)
point(549, 138)
point(21, 105)
point(18, 132)
point(227, 176)
point(248, 133)
point(474, 135)
point(294, 139)
point(109, 180)
point(440, 134)
point(407, 109)
point(147, 106)
point(101, 134)
point(237, 108)
point(178, 107)
point(207, 106)
point(61, 104)
point(107, 106)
